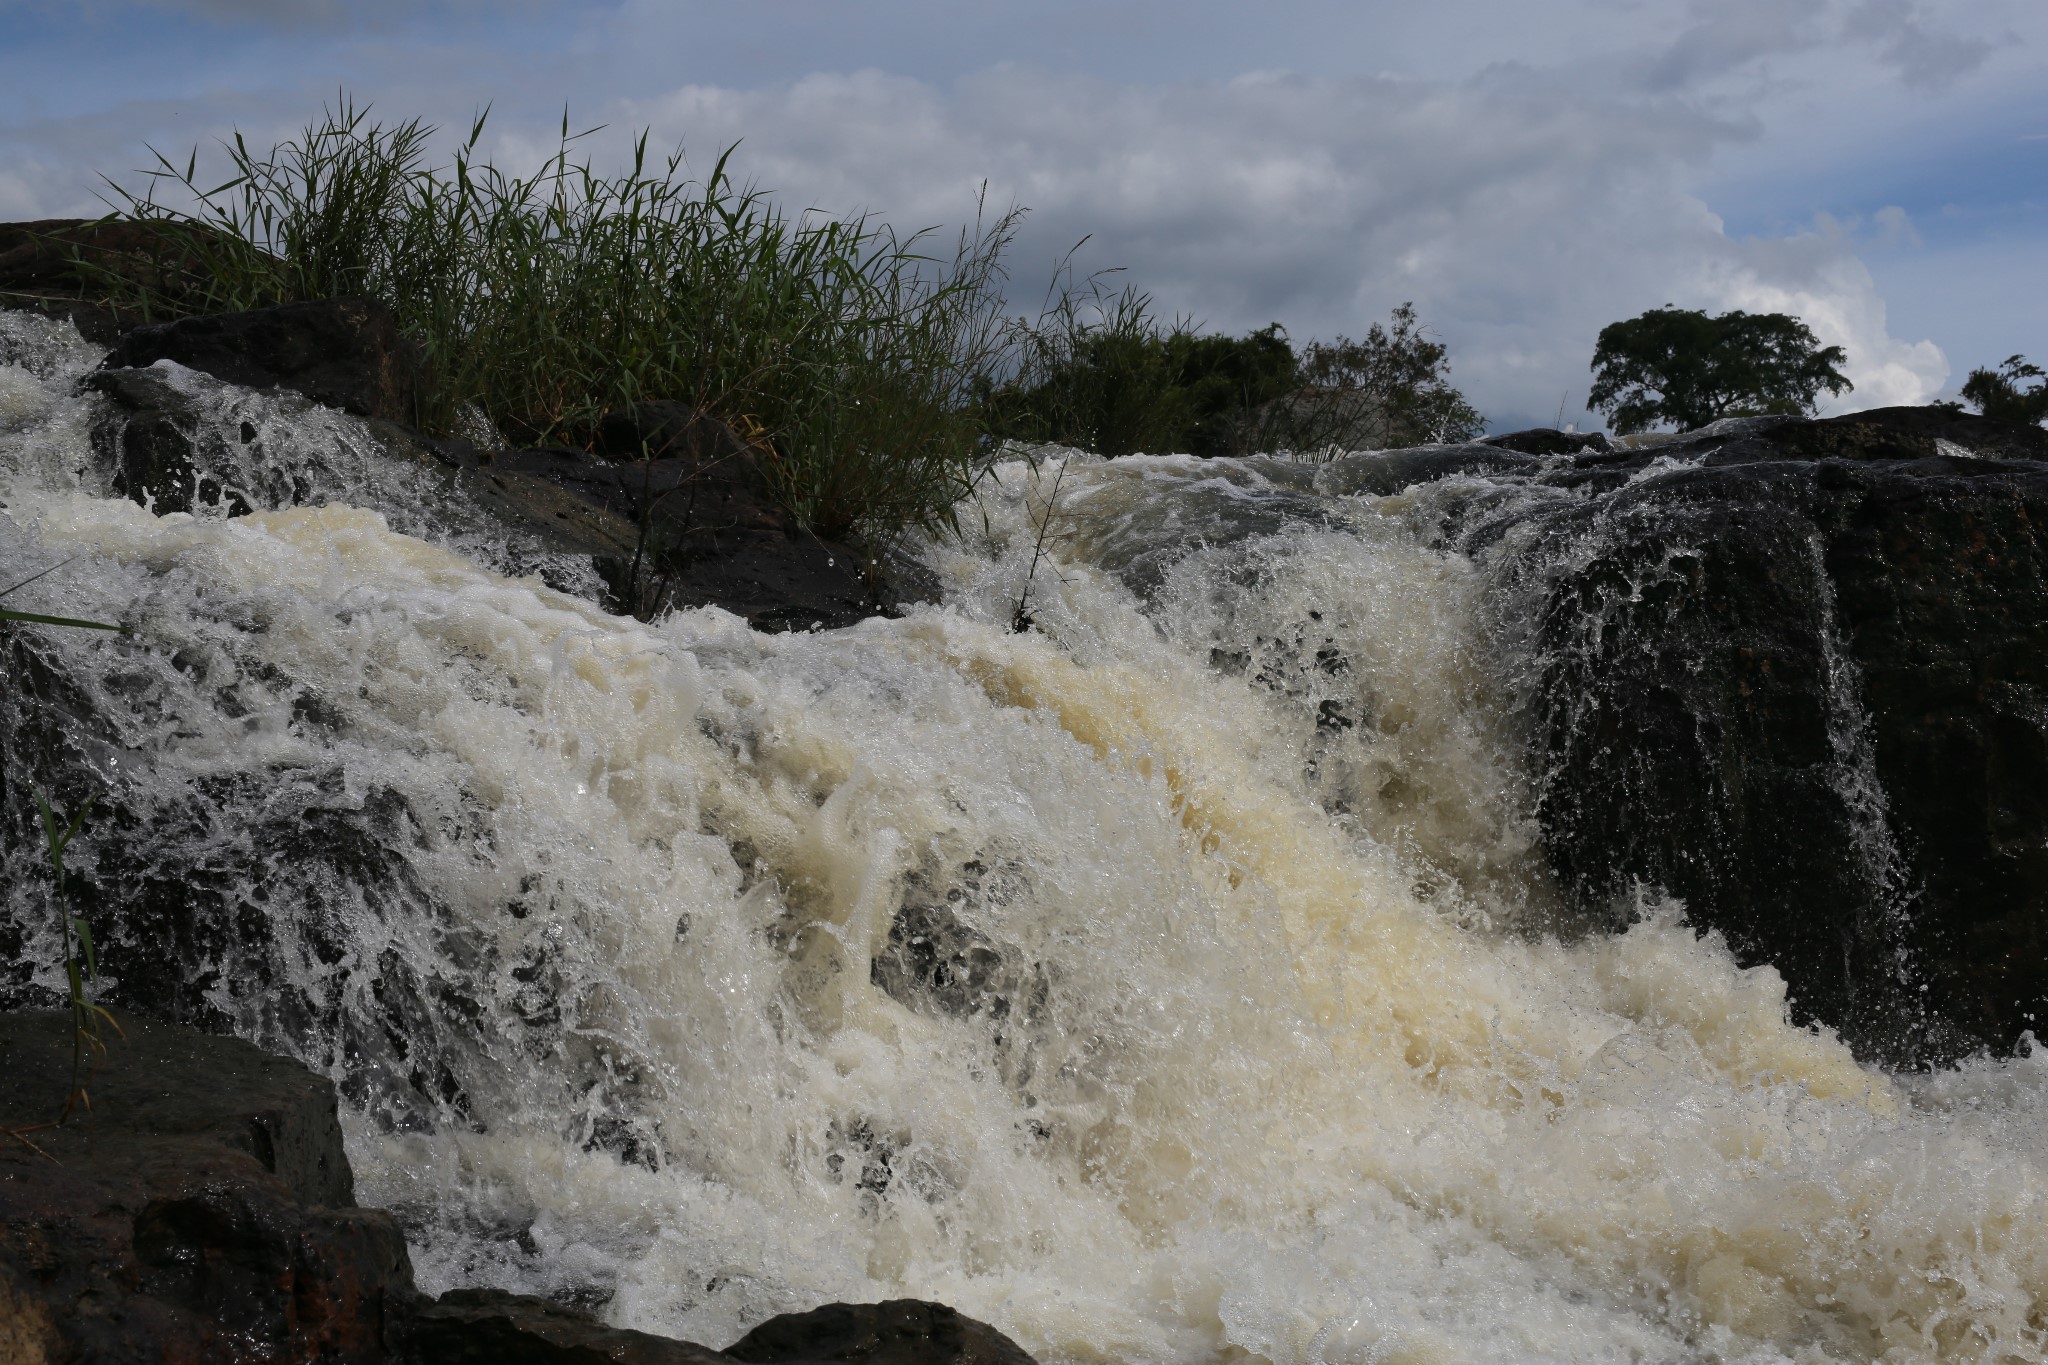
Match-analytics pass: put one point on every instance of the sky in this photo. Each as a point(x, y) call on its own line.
point(1523, 173)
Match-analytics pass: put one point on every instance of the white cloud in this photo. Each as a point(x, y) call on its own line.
point(1816, 277)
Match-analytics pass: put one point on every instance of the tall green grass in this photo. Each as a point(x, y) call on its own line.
point(846, 352)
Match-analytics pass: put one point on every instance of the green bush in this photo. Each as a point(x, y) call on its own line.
point(1101, 372)
point(1998, 393)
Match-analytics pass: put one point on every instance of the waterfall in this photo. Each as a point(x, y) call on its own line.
point(1170, 981)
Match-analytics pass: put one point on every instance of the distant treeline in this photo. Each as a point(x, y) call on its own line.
point(1101, 372)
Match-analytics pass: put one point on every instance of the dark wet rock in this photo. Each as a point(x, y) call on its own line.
point(898, 1332)
point(1548, 441)
point(1796, 673)
point(690, 529)
point(669, 503)
point(61, 267)
point(229, 903)
point(698, 529)
point(490, 1327)
point(346, 353)
point(936, 960)
point(199, 1213)
point(150, 432)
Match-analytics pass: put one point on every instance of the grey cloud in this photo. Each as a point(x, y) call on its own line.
point(350, 16)
point(1521, 217)
point(1922, 57)
point(1743, 43)
point(1724, 37)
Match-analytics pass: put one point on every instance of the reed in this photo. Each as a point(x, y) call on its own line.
point(544, 300)
point(81, 961)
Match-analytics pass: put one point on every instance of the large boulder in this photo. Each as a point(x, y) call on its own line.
point(690, 524)
point(345, 353)
point(84, 269)
point(898, 1332)
point(1548, 441)
point(200, 1211)
point(1795, 673)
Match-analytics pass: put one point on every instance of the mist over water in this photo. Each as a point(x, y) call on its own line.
point(1176, 980)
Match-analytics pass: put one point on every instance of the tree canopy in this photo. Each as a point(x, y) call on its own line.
point(1399, 371)
point(1105, 374)
point(1997, 393)
point(1680, 366)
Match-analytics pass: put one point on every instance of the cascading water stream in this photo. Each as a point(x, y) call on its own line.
point(1165, 983)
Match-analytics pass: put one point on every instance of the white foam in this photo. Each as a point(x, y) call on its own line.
point(1276, 1074)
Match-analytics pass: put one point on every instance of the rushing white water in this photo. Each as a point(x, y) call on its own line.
point(1164, 983)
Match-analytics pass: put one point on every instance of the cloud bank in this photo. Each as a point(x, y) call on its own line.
point(1525, 177)
point(1521, 213)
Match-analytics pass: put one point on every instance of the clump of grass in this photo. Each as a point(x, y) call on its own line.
point(846, 352)
point(866, 371)
point(81, 961)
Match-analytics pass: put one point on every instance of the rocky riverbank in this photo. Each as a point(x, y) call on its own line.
point(203, 1210)
point(1792, 673)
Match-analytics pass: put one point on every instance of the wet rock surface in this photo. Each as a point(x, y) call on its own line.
point(202, 1212)
point(345, 353)
point(65, 267)
point(699, 528)
point(899, 1332)
point(1548, 441)
point(693, 524)
point(490, 1327)
point(1796, 673)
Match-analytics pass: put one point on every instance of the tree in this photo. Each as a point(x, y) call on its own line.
point(1224, 377)
point(1680, 366)
point(1400, 374)
point(1997, 393)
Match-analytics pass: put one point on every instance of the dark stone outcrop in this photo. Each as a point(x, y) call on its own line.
point(150, 435)
point(1797, 675)
point(1548, 441)
point(346, 353)
point(1382, 473)
point(691, 529)
point(199, 1213)
point(491, 1327)
point(899, 1332)
point(695, 525)
point(202, 1212)
point(64, 267)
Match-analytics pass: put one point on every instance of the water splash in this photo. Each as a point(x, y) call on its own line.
point(1095, 979)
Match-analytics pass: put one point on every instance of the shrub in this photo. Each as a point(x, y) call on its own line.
point(1997, 393)
point(1099, 371)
